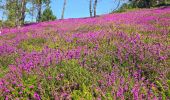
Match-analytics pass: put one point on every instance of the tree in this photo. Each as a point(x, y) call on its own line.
point(39, 9)
point(22, 11)
point(48, 15)
point(63, 11)
point(16, 11)
point(147, 3)
point(39, 4)
point(3, 11)
point(32, 10)
point(95, 6)
point(90, 8)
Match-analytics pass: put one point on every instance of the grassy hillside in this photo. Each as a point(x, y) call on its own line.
point(122, 56)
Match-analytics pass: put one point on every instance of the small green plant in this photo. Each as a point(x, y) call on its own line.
point(32, 44)
point(75, 73)
point(165, 92)
point(83, 93)
point(5, 61)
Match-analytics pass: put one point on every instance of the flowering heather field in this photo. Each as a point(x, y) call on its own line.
point(123, 56)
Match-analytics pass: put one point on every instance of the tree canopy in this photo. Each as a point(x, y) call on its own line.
point(47, 15)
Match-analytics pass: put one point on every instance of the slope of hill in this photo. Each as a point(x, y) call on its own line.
point(116, 56)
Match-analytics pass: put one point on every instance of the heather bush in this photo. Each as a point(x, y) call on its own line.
point(113, 57)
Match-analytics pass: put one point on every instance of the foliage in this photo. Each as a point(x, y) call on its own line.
point(15, 12)
point(47, 15)
point(32, 44)
point(141, 4)
point(82, 94)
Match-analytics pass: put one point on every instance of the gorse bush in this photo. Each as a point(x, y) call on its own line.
point(113, 57)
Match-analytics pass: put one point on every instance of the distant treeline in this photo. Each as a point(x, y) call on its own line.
point(142, 4)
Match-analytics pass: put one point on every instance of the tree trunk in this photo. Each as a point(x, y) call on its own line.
point(22, 15)
point(148, 3)
point(90, 8)
point(157, 2)
point(17, 18)
point(39, 11)
point(64, 5)
point(95, 6)
point(32, 12)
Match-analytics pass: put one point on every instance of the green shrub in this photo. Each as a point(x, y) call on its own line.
point(9, 24)
point(32, 44)
point(165, 92)
point(4, 62)
point(83, 93)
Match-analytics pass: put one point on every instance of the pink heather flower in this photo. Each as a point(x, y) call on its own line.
point(58, 78)
point(122, 80)
point(96, 48)
point(50, 78)
point(100, 81)
point(20, 92)
point(64, 95)
point(1, 83)
point(95, 63)
point(7, 90)
point(12, 68)
point(120, 92)
point(0, 32)
point(135, 92)
point(31, 87)
point(62, 75)
point(126, 87)
point(161, 58)
point(20, 85)
point(36, 96)
point(155, 98)
point(6, 98)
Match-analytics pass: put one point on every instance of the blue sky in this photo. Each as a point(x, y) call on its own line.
point(79, 8)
